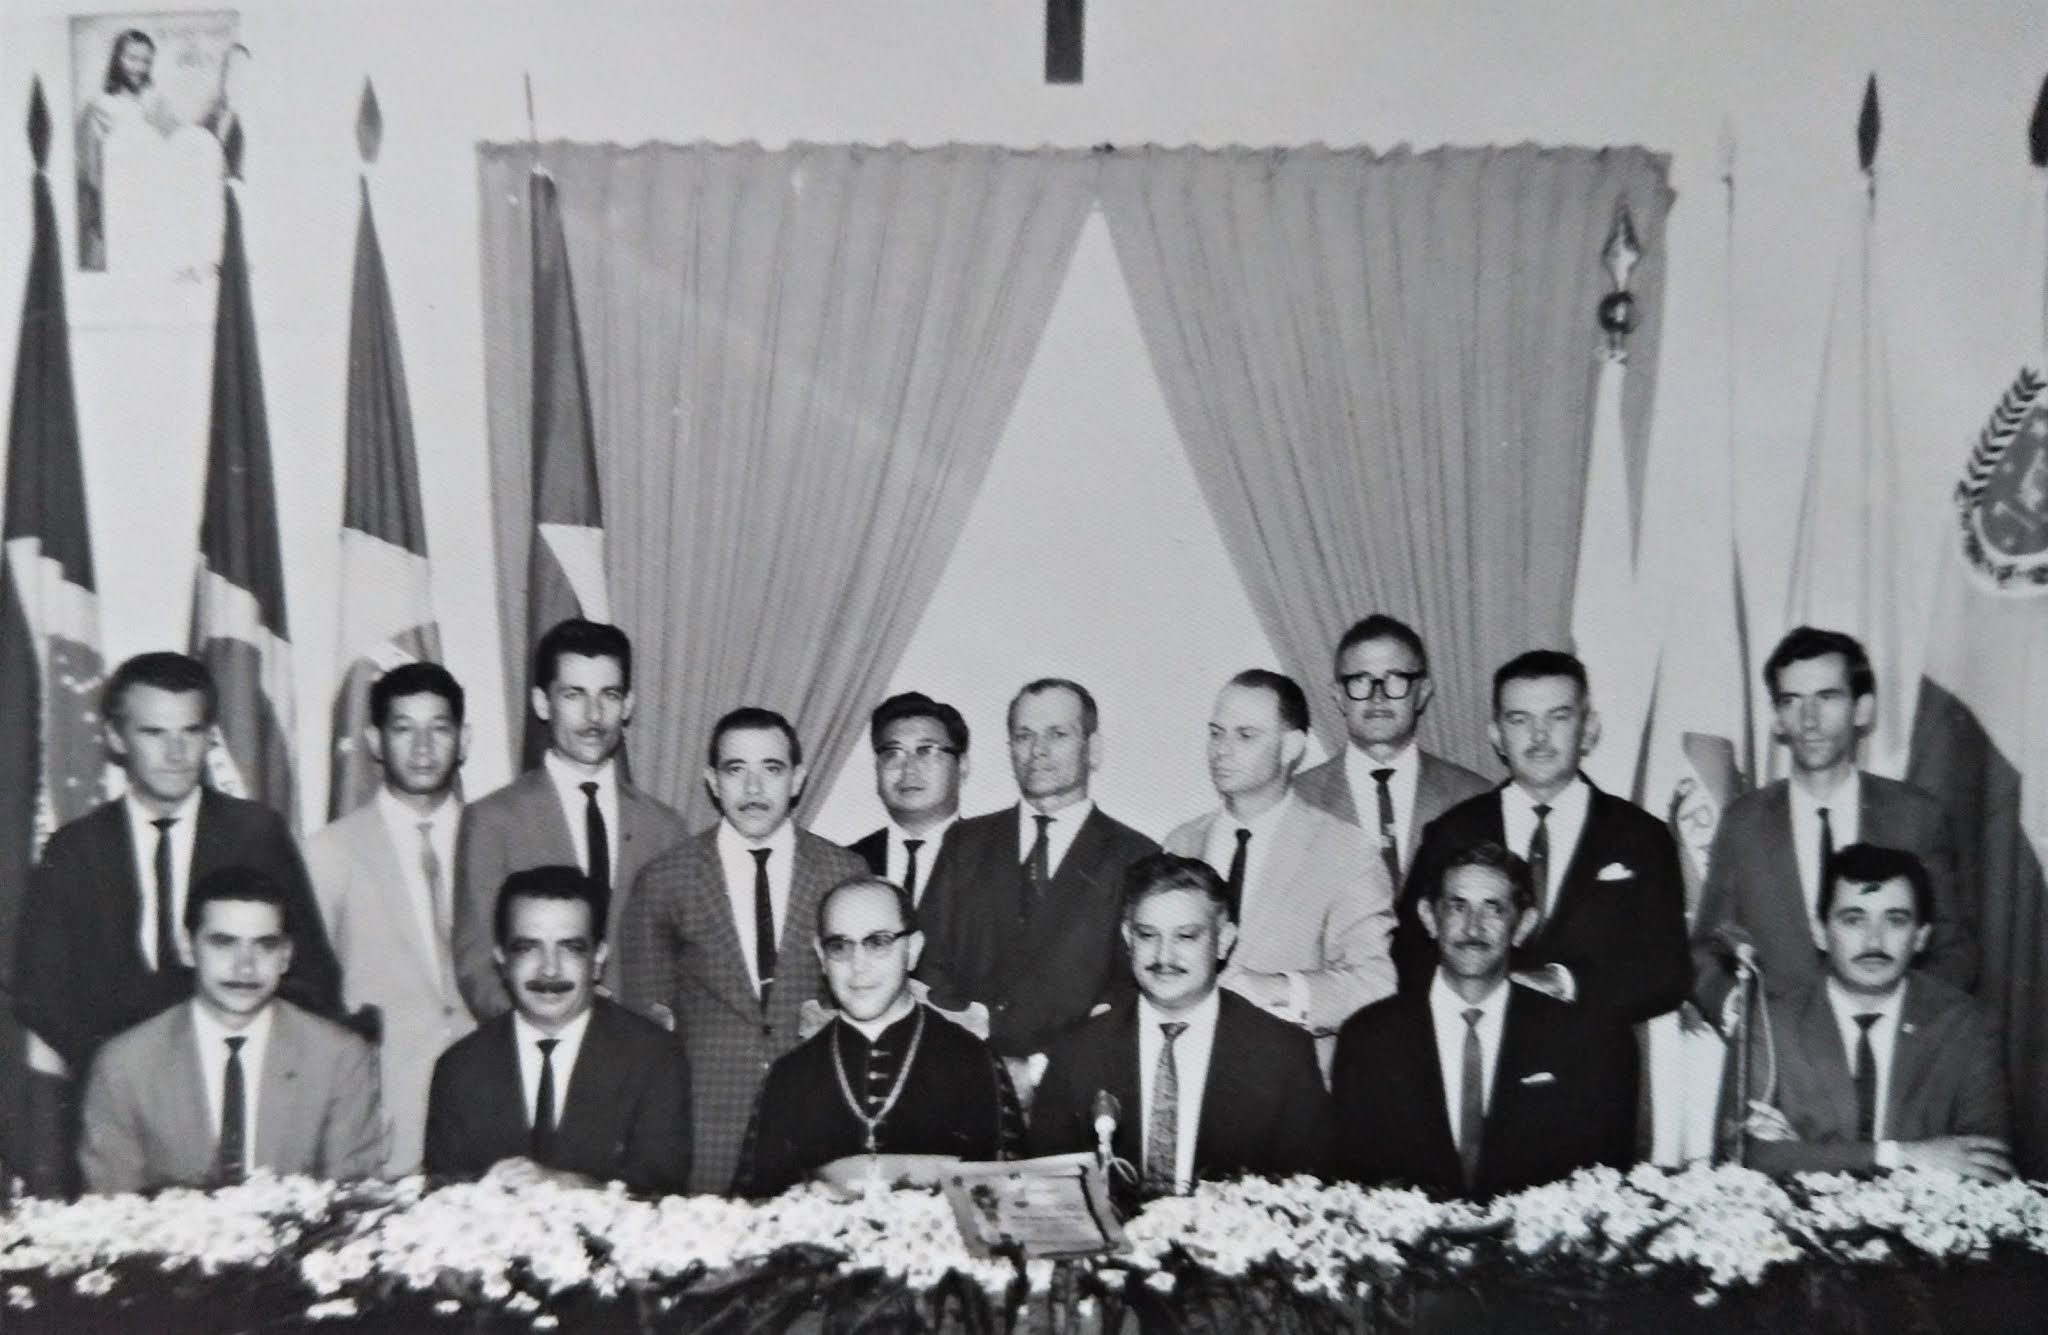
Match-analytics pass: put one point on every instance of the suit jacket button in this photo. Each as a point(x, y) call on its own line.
point(767, 1031)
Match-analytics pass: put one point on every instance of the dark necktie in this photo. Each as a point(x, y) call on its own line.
point(594, 838)
point(1827, 855)
point(437, 900)
point(166, 909)
point(1471, 1099)
point(543, 1145)
point(1866, 1078)
point(228, 1157)
point(1235, 885)
point(1162, 1136)
point(1390, 845)
point(1038, 865)
point(910, 847)
point(1539, 860)
point(764, 924)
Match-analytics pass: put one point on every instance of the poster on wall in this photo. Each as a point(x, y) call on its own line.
point(153, 101)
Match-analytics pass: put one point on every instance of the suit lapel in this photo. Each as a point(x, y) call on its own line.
point(1912, 1052)
point(381, 867)
point(593, 1086)
point(114, 860)
point(739, 988)
point(1288, 850)
point(1778, 849)
point(1127, 1088)
point(1083, 854)
point(278, 1112)
point(184, 1091)
point(1823, 1040)
point(502, 1094)
point(1578, 870)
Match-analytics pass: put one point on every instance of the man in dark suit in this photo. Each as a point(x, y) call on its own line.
point(575, 808)
point(1205, 1084)
point(920, 761)
point(1880, 1065)
point(1475, 1085)
point(1609, 896)
point(1022, 911)
point(567, 1085)
point(714, 941)
point(1382, 779)
point(100, 947)
point(1764, 875)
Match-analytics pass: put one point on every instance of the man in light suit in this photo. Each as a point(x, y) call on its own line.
point(715, 943)
point(1765, 873)
point(920, 762)
point(575, 808)
point(1383, 780)
point(567, 1086)
point(1880, 1065)
point(1476, 1085)
point(1204, 1084)
point(237, 1078)
point(381, 875)
point(1309, 893)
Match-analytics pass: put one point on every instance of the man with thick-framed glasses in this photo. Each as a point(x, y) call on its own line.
point(889, 1084)
point(920, 762)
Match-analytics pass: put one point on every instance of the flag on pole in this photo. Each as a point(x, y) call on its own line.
point(238, 616)
point(387, 605)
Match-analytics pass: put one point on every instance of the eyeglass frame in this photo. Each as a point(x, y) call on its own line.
point(1379, 682)
point(840, 949)
point(924, 753)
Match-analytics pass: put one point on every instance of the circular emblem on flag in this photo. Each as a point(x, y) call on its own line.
point(2002, 500)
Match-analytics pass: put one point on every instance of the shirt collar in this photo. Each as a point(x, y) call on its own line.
point(782, 840)
point(931, 837)
point(571, 1036)
point(1567, 806)
point(862, 1027)
point(1444, 1002)
point(1070, 816)
point(401, 816)
point(570, 779)
point(185, 813)
point(1407, 762)
point(1847, 1005)
point(1263, 824)
point(1201, 1016)
point(1848, 795)
point(257, 1031)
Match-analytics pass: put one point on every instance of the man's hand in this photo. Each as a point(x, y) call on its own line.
point(1767, 1123)
point(520, 1171)
point(1985, 1158)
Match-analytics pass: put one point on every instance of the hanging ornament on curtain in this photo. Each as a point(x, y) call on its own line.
point(1868, 125)
point(1617, 312)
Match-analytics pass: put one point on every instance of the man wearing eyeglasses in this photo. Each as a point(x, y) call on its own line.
point(920, 761)
point(888, 1076)
point(1383, 780)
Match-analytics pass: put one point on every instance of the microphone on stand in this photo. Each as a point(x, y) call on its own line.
point(1105, 1111)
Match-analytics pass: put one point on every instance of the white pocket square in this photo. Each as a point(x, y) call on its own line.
point(1539, 1078)
point(1614, 871)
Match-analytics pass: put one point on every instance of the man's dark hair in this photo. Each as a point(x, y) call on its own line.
point(906, 909)
point(564, 883)
point(1287, 694)
point(1493, 857)
point(1537, 663)
point(240, 885)
point(1089, 716)
point(1803, 643)
point(1873, 864)
point(1380, 626)
point(751, 718)
point(414, 679)
point(179, 674)
point(1157, 873)
point(585, 639)
point(916, 704)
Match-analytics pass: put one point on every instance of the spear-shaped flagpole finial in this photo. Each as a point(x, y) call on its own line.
point(1622, 251)
point(38, 124)
point(1726, 151)
point(369, 125)
point(1869, 123)
point(532, 124)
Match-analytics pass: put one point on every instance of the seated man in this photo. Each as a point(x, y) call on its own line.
point(236, 1079)
point(1474, 1085)
point(566, 1085)
point(1206, 1084)
point(887, 1074)
point(1880, 1065)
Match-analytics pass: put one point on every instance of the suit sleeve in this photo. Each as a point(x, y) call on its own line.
point(1616, 1088)
point(448, 1150)
point(480, 868)
point(313, 981)
point(650, 963)
point(1719, 901)
point(1982, 1105)
point(1059, 1125)
point(1779, 1157)
point(1305, 1137)
point(1357, 1101)
point(1952, 945)
point(45, 996)
point(111, 1157)
point(1650, 970)
point(1357, 966)
point(1412, 948)
point(657, 1159)
point(354, 1141)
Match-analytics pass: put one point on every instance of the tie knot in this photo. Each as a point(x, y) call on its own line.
point(426, 827)
point(589, 788)
point(235, 1044)
point(1823, 817)
point(760, 855)
point(1542, 813)
point(1173, 1029)
point(1244, 836)
point(1383, 776)
point(1044, 823)
point(913, 844)
point(164, 823)
point(547, 1046)
point(1869, 1018)
point(1472, 1014)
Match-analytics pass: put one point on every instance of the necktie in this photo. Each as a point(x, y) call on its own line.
point(228, 1157)
point(1471, 1099)
point(1539, 860)
point(166, 896)
point(543, 1145)
point(430, 867)
point(1038, 865)
point(1390, 844)
point(594, 839)
point(1866, 1078)
point(764, 924)
point(1827, 855)
point(910, 847)
point(1162, 1132)
point(1235, 885)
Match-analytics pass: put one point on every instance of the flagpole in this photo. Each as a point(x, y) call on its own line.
point(1744, 662)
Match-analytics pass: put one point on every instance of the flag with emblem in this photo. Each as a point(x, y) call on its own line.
point(387, 604)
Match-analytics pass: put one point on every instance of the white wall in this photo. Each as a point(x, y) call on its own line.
point(1958, 81)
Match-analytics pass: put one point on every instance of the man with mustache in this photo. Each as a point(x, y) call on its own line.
point(567, 1086)
point(574, 808)
point(1204, 1083)
point(1471, 1086)
point(1768, 863)
point(920, 761)
point(1880, 1065)
point(714, 941)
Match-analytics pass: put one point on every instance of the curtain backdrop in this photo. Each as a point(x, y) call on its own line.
point(1382, 366)
point(800, 361)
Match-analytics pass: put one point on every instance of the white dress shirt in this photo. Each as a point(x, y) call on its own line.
point(142, 835)
point(1447, 1018)
point(1191, 1076)
point(1059, 836)
point(736, 860)
point(1884, 1038)
point(1845, 809)
point(569, 1043)
point(569, 781)
point(1218, 852)
point(1566, 822)
point(897, 864)
point(212, 1037)
point(403, 823)
point(1401, 786)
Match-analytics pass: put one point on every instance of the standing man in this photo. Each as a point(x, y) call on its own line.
point(1764, 876)
point(382, 875)
point(1309, 894)
point(713, 944)
point(1023, 910)
point(574, 809)
point(1383, 780)
point(1610, 901)
point(920, 762)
